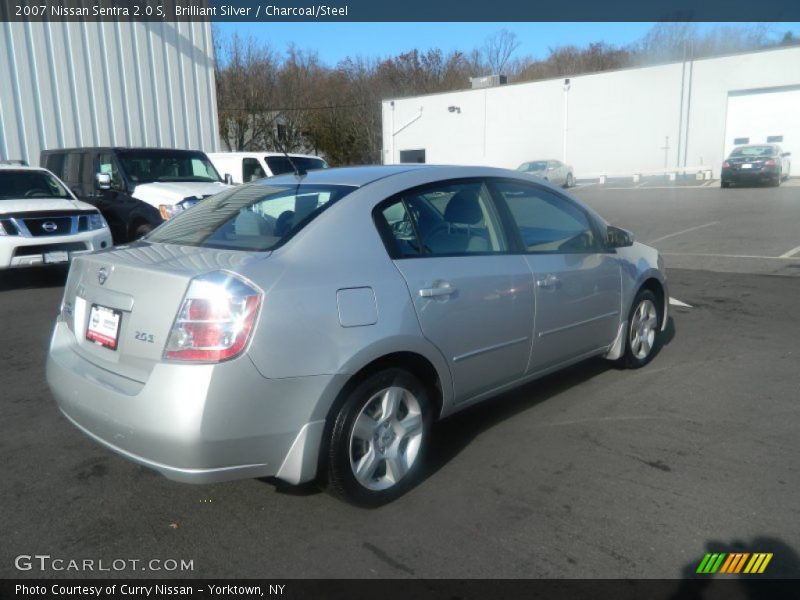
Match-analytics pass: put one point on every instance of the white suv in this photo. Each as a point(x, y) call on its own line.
point(41, 221)
point(244, 167)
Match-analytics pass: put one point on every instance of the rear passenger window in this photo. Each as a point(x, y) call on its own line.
point(445, 220)
point(398, 220)
point(251, 170)
point(55, 163)
point(72, 168)
point(546, 221)
point(87, 171)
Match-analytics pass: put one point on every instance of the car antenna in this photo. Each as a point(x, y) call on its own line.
point(297, 171)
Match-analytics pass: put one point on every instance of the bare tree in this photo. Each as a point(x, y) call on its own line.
point(498, 50)
point(682, 41)
point(246, 75)
point(298, 92)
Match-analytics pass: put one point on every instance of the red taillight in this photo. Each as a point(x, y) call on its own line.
point(769, 162)
point(215, 320)
point(726, 164)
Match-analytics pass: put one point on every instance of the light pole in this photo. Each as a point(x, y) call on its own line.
point(566, 119)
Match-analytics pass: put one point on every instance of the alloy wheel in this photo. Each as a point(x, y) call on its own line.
point(386, 438)
point(643, 329)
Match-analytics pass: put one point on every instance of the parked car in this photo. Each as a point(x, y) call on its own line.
point(244, 167)
point(136, 189)
point(756, 164)
point(554, 171)
point(315, 327)
point(41, 221)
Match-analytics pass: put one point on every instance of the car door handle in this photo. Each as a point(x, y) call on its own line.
point(439, 289)
point(548, 282)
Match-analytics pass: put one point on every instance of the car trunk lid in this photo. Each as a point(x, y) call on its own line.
point(141, 287)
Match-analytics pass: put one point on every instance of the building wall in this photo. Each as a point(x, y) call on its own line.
point(618, 122)
point(124, 84)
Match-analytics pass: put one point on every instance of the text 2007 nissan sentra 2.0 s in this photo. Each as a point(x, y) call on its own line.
point(315, 325)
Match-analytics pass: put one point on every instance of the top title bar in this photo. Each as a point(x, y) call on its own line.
point(405, 11)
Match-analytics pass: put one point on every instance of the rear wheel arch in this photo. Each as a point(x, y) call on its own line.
point(413, 362)
point(417, 365)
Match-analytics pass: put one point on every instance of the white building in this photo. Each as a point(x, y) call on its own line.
point(672, 117)
point(105, 84)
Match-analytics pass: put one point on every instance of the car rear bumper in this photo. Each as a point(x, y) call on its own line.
point(745, 175)
point(18, 251)
point(195, 423)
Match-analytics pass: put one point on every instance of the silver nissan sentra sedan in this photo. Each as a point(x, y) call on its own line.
point(314, 326)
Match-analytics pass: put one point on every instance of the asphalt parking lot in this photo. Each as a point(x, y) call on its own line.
point(592, 472)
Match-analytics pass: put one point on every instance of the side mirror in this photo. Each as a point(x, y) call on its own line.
point(787, 154)
point(102, 181)
point(228, 179)
point(618, 238)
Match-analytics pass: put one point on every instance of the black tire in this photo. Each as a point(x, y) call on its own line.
point(634, 358)
point(724, 184)
point(141, 230)
point(778, 179)
point(570, 181)
point(346, 450)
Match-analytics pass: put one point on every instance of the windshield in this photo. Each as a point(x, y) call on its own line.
point(30, 184)
point(280, 164)
point(253, 217)
point(538, 165)
point(754, 151)
point(148, 166)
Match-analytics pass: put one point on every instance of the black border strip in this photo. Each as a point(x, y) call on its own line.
point(275, 11)
point(745, 587)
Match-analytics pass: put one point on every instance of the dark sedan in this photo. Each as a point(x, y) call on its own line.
point(756, 164)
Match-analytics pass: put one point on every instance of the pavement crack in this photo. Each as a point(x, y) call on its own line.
point(388, 559)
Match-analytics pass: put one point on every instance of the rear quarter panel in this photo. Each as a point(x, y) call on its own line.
point(300, 332)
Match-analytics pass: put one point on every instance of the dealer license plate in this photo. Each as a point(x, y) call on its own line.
point(60, 256)
point(103, 328)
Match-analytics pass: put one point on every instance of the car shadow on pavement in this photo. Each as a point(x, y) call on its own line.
point(784, 564)
point(455, 433)
point(310, 488)
point(34, 277)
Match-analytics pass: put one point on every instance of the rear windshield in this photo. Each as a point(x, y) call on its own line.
point(149, 166)
point(280, 164)
point(754, 151)
point(16, 185)
point(250, 217)
point(539, 165)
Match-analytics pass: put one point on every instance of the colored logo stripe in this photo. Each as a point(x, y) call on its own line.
point(711, 563)
point(734, 563)
point(758, 563)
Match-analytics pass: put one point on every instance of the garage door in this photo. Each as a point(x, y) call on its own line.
point(761, 116)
